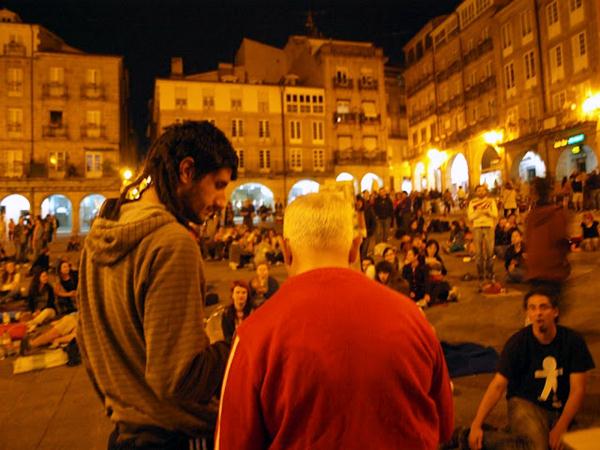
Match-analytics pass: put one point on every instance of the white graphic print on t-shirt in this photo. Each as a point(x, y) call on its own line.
point(551, 374)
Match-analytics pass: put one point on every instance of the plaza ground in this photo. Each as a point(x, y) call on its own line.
point(58, 409)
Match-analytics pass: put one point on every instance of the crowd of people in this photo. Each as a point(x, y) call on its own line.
point(299, 365)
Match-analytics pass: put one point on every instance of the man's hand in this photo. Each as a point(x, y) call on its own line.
point(475, 438)
point(555, 438)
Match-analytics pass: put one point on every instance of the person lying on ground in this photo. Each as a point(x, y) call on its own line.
point(62, 331)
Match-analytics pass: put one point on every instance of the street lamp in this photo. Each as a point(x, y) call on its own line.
point(591, 104)
point(126, 175)
point(493, 137)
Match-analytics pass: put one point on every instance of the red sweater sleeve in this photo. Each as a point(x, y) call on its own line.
point(441, 392)
point(240, 423)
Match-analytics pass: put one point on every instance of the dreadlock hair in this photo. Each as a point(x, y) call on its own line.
point(202, 141)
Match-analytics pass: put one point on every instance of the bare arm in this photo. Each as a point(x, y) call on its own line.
point(574, 402)
point(490, 399)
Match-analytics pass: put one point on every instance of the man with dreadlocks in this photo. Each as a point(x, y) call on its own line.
point(141, 295)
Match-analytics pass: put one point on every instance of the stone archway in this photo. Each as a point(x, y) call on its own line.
point(15, 205)
point(582, 158)
point(257, 193)
point(457, 173)
point(420, 181)
point(346, 176)
point(491, 171)
point(528, 166)
point(60, 207)
point(88, 210)
point(370, 182)
point(302, 187)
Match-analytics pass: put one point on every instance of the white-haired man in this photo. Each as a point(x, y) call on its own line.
point(333, 360)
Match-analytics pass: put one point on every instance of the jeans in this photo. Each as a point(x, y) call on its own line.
point(483, 238)
point(529, 428)
point(383, 227)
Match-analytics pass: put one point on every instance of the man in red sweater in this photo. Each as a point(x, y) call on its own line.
point(333, 360)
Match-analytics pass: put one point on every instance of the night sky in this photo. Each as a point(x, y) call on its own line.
point(148, 32)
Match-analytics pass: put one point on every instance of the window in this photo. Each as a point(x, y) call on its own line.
point(208, 102)
point(291, 101)
point(317, 104)
point(295, 131)
point(581, 47)
point(370, 143)
point(319, 159)
point(529, 59)
point(241, 159)
point(57, 75)
point(263, 129)
point(472, 80)
point(93, 164)
point(296, 159)
point(369, 110)
point(11, 163)
point(574, 5)
point(506, 36)
point(341, 76)
point(343, 107)
point(180, 97)
point(14, 78)
point(415, 138)
point(423, 135)
point(489, 71)
point(264, 159)
point(532, 108)
point(559, 100)
point(345, 142)
point(509, 77)
point(236, 104)
point(317, 131)
point(56, 119)
point(552, 13)
point(263, 106)
point(304, 103)
point(56, 161)
point(93, 123)
point(92, 76)
point(556, 56)
point(14, 123)
point(237, 128)
point(526, 23)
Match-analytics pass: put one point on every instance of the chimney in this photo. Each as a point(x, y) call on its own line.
point(176, 67)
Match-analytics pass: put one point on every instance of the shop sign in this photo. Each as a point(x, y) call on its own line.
point(572, 140)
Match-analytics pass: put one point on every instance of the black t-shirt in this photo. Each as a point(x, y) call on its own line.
point(591, 231)
point(540, 373)
point(66, 304)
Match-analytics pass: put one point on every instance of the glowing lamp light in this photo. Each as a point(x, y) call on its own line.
point(127, 174)
point(591, 104)
point(493, 137)
point(436, 157)
point(53, 160)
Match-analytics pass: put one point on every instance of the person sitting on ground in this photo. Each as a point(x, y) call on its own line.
point(62, 331)
point(11, 278)
point(40, 300)
point(262, 249)
point(420, 243)
point(590, 235)
point(74, 243)
point(66, 288)
point(276, 255)
point(240, 308)
point(456, 240)
point(367, 266)
point(262, 286)
point(437, 287)
point(41, 263)
point(501, 237)
point(415, 273)
point(390, 255)
point(543, 369)
point(514, 261)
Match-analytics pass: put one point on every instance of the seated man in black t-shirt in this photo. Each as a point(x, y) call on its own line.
point(543, 371)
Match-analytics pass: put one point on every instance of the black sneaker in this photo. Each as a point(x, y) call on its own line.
point(25, 346)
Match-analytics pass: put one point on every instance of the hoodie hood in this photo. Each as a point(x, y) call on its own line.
point(110, 240)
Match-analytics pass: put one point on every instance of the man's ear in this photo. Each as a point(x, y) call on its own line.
point(186, 170)
point(287, 253)
point(355, 249)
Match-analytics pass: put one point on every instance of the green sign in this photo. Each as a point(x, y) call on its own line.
point(571, 140)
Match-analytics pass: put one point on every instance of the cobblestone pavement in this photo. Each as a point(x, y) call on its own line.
point(58, 409)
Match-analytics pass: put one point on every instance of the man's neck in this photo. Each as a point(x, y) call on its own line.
point(317, 262)
point(545, 337)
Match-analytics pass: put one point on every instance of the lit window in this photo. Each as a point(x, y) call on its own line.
point(93, 164)
point(56, 161)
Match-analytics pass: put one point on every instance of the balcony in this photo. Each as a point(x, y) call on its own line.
point(343, 83)
point(482, 87)
point(420, 84)
point(530, 126)
point(14, 88)
point(14, 128)
point(482, 48)
point(354, 157)
point(56, 131)
point(14, 49)
point(367, 84)
point(456, 101)
point(369, 120)
point(91, 91)
point(422, 114)
point(482, 124)
point(56, 90)
point(93, 131)
point(344, 118)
